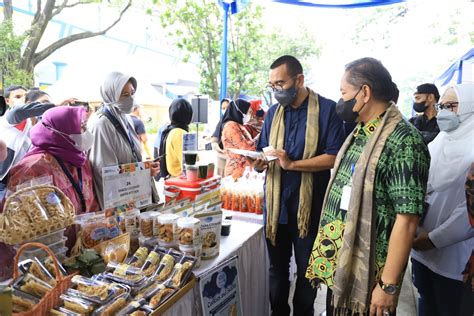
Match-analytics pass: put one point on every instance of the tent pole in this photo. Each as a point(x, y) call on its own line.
point(223, 90)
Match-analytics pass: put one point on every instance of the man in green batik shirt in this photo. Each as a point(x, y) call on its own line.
point(374, 199)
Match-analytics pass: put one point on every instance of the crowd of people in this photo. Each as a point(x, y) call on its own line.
point(397, 188)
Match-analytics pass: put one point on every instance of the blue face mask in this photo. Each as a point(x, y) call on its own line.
point(447, 121)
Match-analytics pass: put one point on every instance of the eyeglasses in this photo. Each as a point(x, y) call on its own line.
point(447, 106)
point(278, 86)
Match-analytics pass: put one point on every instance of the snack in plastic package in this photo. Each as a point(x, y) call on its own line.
point(138, 258)
point(148, 291)
point(23, 302)
point(132, 226)
point(124, 273)
point(167, 229)
point(151, 263)
point(30, 284)
point(131, 307)
point(189, 231)
point(49, 265)
point(181, 272)
point(96, 228)
point(116, 252)
point(139, 313)
point(146, 224)
point(63, 311)
point(33, 212)
point(166, 266)
point(160, 296)
point(77, 305)
point(94, 290)
point(112, 307)
point(36, 268)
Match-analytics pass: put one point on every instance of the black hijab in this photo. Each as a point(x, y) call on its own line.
point(233, 114)
point(3, 105)
point(181, 114)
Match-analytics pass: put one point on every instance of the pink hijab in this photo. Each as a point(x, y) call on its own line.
point(66, 119)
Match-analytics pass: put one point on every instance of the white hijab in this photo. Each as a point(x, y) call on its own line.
point(110, 92)
point(453, 152)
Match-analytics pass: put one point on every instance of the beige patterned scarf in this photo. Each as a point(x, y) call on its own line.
point(355, 270)
point(273, 178)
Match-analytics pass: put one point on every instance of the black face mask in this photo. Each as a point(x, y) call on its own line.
point(344, 109)
point(419, 107)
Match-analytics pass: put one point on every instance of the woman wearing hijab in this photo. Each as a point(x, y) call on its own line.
point(445, 238)
point(181, 114)
point(115, 140)
point(59, 145)
point(236, 136)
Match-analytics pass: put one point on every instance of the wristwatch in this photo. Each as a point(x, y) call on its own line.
point(391, 289)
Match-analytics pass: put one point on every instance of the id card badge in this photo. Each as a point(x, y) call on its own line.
point(345, 198)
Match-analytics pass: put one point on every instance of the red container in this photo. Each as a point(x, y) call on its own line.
point(180, 188)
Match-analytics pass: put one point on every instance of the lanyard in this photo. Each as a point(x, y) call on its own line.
point(121, 130)
point(77, 186)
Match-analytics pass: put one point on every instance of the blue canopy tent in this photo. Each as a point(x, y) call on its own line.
point(234, 6)
point(461, 70)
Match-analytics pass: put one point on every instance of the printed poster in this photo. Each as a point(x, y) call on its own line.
point(190, 142)
point(127, 185)
point(219, 290)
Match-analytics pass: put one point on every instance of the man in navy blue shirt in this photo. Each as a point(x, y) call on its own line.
point(297, 107)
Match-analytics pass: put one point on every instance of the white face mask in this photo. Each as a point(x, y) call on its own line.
point(84, 141)
point(19, 101)
point(245, 117)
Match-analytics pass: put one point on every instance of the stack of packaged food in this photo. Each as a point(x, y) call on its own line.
point(166, 246)
point(138, 287)
point(245, 195)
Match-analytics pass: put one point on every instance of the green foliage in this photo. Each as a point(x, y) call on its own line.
point(10, 53)
point(151, 127)
point(196, 27)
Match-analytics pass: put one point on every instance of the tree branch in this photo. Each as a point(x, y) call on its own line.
point(7, 10)
point(75, 37)
point(36, 17)
point(65, 5)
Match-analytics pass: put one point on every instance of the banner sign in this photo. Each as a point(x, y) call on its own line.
point(219, 290)
point(127, 184)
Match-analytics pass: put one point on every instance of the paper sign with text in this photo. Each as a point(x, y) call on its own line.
point(220, 292)
point(127, 184)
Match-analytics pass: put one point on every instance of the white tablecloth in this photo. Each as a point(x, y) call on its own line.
point(247, 241)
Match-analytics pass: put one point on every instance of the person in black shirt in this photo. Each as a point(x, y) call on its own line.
point(426, 97)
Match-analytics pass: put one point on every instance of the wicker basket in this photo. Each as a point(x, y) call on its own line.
point(34, 211)
point(52, 298)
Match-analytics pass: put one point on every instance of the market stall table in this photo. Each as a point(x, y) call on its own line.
point(247, 241)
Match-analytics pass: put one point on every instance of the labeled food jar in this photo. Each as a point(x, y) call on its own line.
point(167, 230)
point(189, 231)
point(146, 224)
point(211, 223)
